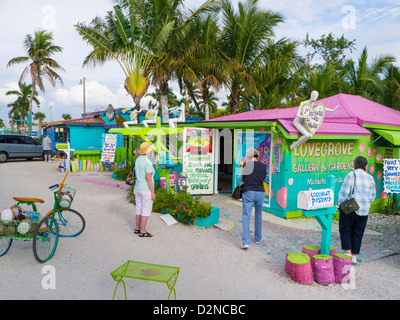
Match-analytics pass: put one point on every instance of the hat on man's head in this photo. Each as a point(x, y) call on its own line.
point(145, 148)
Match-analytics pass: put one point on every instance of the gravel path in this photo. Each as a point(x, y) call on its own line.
point(213, 267)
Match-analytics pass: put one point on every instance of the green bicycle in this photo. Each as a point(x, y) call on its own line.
point(44, 231)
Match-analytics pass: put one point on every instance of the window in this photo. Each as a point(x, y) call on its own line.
point(27, 140)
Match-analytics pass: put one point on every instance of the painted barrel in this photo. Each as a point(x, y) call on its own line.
point(311, 251)
point(287, 264)
point(341, 267)
point(299, 266)
point(332, 251)
point(323, 269)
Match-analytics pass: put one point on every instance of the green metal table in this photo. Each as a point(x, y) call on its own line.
point(146, 271)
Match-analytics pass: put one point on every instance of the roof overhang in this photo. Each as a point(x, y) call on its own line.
point(392, 136)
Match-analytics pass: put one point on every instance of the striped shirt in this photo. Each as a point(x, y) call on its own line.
point(364, 191)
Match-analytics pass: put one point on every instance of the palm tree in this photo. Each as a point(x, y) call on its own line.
point(39, 49)
point(39, 116)
point(244, 38)
point(118, 37)
point(20, 107)
point(277, 75)
point(364, 79)
point(171, 37)
point(66, 116)
point(391, 90)
point(207, 62)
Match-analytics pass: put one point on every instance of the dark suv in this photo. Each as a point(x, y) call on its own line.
point(19, 146)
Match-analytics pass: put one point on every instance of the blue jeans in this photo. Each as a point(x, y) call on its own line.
point(248, 199)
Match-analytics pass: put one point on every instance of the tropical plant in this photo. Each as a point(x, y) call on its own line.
point(39, 48)
point(391, 87)
point(277, 75)
point(363, 78)
point(39, 116)
point(119, 37)
point(170, 35)
point(66, 116)
point(183, 206)
point(20, 107)
point(207, 62)
point(244, 39)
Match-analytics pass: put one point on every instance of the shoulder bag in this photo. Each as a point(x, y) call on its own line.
point(350, 205)
point(237, 193)
point(131, 178)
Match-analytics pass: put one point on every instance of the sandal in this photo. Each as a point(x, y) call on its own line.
point(145, 235)
point(137, 231)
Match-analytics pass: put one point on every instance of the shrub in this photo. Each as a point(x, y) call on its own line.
point(182, 206)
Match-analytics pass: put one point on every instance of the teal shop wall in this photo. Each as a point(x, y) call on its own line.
point(298, 171)
point(86, 138)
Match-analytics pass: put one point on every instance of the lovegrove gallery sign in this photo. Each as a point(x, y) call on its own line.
point(316, 158)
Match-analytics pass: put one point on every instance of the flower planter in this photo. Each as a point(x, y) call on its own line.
point(209, 221)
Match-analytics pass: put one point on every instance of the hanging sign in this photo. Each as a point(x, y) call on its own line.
point(391, 174)
point(315, 116)
point(109, 146)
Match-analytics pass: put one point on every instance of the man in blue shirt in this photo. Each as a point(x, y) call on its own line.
point(352, 226)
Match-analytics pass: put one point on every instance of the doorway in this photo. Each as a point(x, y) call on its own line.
point(225, 161)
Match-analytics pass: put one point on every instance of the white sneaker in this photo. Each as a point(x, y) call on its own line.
point(245, 246)
point(50, 161)
point(353, 260)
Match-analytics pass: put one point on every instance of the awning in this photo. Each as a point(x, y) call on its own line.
point(391, 136)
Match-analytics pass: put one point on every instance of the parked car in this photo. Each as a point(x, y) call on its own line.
point(19, 146)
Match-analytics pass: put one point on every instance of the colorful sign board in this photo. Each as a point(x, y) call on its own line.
point(391, 175)
point(260, 141)
point(198, 164)
point(109, 146)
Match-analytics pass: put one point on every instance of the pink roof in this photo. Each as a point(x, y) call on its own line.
point(352, 113)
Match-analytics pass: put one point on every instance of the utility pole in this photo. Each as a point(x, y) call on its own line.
point(83, 81)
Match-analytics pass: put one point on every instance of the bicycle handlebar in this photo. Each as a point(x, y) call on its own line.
point(60, 185)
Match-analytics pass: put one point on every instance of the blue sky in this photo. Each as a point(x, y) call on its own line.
point(374, 24)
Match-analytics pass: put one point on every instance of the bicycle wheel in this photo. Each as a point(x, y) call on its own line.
point(5, 244)
point(71, 223)
point(45, 239)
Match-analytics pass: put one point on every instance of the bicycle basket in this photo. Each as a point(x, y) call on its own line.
point(65, 197)
point(18, 229)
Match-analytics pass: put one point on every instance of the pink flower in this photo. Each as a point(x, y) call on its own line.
point(187, 210)
point(181, 205)
point(174, 202)
point(192, 219)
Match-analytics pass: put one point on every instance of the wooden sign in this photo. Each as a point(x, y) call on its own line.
point(199, 160)
point(109, 147)
point(391, 175)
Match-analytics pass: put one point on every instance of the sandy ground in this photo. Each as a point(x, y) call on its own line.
point(212, 265)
